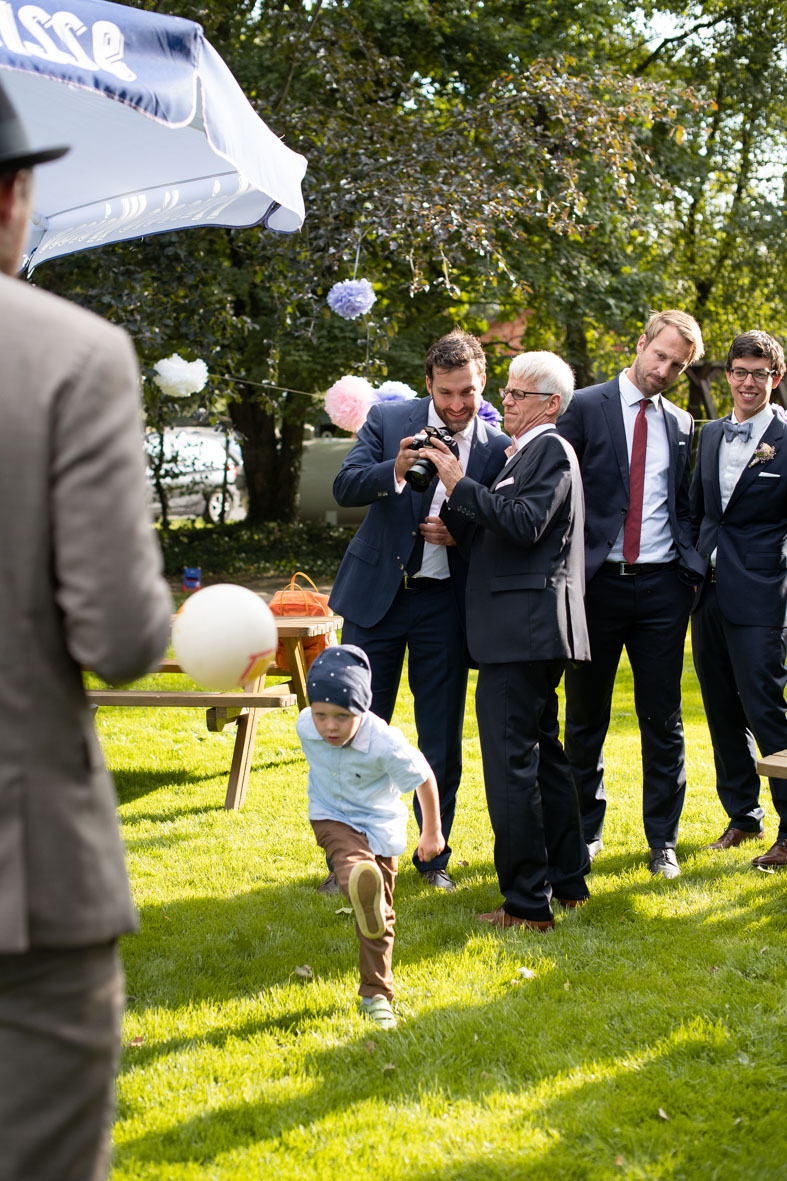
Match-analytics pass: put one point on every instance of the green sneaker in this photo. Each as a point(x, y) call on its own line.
point(365, 888)
point(378, 1009)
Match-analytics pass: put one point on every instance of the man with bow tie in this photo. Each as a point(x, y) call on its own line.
point(738, 632)
point(525, 619)
point(634, 451)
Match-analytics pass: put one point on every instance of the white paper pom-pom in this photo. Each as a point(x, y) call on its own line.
point(178, 378)
point(347, 402)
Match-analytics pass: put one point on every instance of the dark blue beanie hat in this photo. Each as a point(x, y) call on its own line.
point(342, 676)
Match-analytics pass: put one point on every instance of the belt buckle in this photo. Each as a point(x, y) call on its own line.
point(624, 573)
point(408, 582)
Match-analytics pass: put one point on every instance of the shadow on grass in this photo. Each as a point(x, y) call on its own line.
point(133, 784)
point(490, 1053)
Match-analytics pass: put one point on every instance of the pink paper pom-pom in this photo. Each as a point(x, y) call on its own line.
point(347, 402)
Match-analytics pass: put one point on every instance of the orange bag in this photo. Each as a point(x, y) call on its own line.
point(301, 600)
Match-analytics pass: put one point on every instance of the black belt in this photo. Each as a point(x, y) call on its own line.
point(626, 569)
point(411, 582)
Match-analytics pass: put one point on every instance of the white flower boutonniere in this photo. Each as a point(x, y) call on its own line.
point(763, 454)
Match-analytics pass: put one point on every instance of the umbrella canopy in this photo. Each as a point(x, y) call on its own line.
point(162, 137)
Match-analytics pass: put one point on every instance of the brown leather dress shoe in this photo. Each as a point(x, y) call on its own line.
point(501, 918)
point(732, 837)
point(776, 855)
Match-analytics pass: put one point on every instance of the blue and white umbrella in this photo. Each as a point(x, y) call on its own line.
point(162, 137)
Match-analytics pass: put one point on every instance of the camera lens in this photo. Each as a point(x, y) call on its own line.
point(421, 474)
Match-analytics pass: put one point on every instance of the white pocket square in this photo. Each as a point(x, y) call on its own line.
point(770, 475)
point(503, 483)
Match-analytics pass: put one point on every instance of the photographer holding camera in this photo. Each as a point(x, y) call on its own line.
point(401, 584)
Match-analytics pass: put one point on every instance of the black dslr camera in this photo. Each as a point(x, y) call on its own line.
point(421, 474)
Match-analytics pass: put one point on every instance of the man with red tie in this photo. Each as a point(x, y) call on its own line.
point(634, 451)
point(739, 626)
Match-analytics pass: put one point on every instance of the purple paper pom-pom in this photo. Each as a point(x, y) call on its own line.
point(351, 298)
point(489, 413)
point(395, 391)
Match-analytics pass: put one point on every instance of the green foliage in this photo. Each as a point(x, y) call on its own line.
point(649, 1044)
point(238, 552)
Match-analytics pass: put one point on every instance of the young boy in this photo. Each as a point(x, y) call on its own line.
point(358, 768)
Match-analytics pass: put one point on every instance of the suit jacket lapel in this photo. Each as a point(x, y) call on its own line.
point(773, 435)
point(711, 456)
point(614, 415)
point(419, 501)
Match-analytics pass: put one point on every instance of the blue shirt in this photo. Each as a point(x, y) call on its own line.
point(361, 784)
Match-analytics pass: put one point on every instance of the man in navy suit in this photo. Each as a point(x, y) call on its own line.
point(634, 450)
point(401, 584)
point(738, 633)
point(525, 619)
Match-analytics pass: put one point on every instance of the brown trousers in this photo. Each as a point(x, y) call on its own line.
point(60, 1013)
point(346, 847)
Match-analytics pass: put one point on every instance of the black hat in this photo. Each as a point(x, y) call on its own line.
point(15, 151)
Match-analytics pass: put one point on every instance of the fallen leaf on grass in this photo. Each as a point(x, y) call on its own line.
point(567, 985)
point(370, 1047)
point(619, 1161)
point(305, 972)
point(343, 910)
point(743, 1058)
point(137, 1041)
point(714, 970)
point(663, 1113)
point(464, 864)
point(389, 1066)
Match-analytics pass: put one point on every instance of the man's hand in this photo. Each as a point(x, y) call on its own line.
point(449, 469)
point(434, 531)
point(405, 459)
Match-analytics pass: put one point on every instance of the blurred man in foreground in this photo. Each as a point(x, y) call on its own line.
point(81, 586)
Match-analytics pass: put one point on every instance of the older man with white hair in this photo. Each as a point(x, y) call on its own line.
point(525, 620)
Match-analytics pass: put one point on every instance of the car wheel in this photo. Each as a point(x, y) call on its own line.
point(214, 502)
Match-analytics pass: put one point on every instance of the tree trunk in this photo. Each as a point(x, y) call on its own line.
point(271, 458)
point(577, 353)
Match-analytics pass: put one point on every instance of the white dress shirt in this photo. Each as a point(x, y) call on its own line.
point(435, 559)
point(656, 543)
point(736, 454)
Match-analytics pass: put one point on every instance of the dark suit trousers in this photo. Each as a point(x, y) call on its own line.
point(533, 806)
point(427, 624)
point(60, 1013)
point(742, 678)
point(648, 614)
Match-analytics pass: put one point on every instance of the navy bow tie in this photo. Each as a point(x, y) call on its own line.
point(732, 429)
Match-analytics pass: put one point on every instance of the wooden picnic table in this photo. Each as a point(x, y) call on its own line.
point(243, 707)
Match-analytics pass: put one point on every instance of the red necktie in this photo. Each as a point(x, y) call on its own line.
point(639, 447)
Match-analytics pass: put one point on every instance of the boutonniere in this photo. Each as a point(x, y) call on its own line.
point(763, 454)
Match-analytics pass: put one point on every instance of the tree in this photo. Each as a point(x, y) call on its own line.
point(450, 161)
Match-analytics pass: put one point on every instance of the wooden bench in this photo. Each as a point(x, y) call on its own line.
point(774, 766)
point(242, 707)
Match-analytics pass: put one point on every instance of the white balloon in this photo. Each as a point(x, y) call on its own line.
point(224, 636)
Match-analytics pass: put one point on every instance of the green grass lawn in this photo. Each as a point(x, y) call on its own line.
point(649, 1043)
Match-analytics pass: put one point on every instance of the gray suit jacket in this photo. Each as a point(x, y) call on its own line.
point(81, 585)
point(524, 539)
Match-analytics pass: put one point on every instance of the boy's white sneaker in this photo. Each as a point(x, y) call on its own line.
point(365, 888)
point(378, 1009)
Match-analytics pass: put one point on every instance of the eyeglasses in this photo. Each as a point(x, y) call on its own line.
point(520, 395)
point(759, 375)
